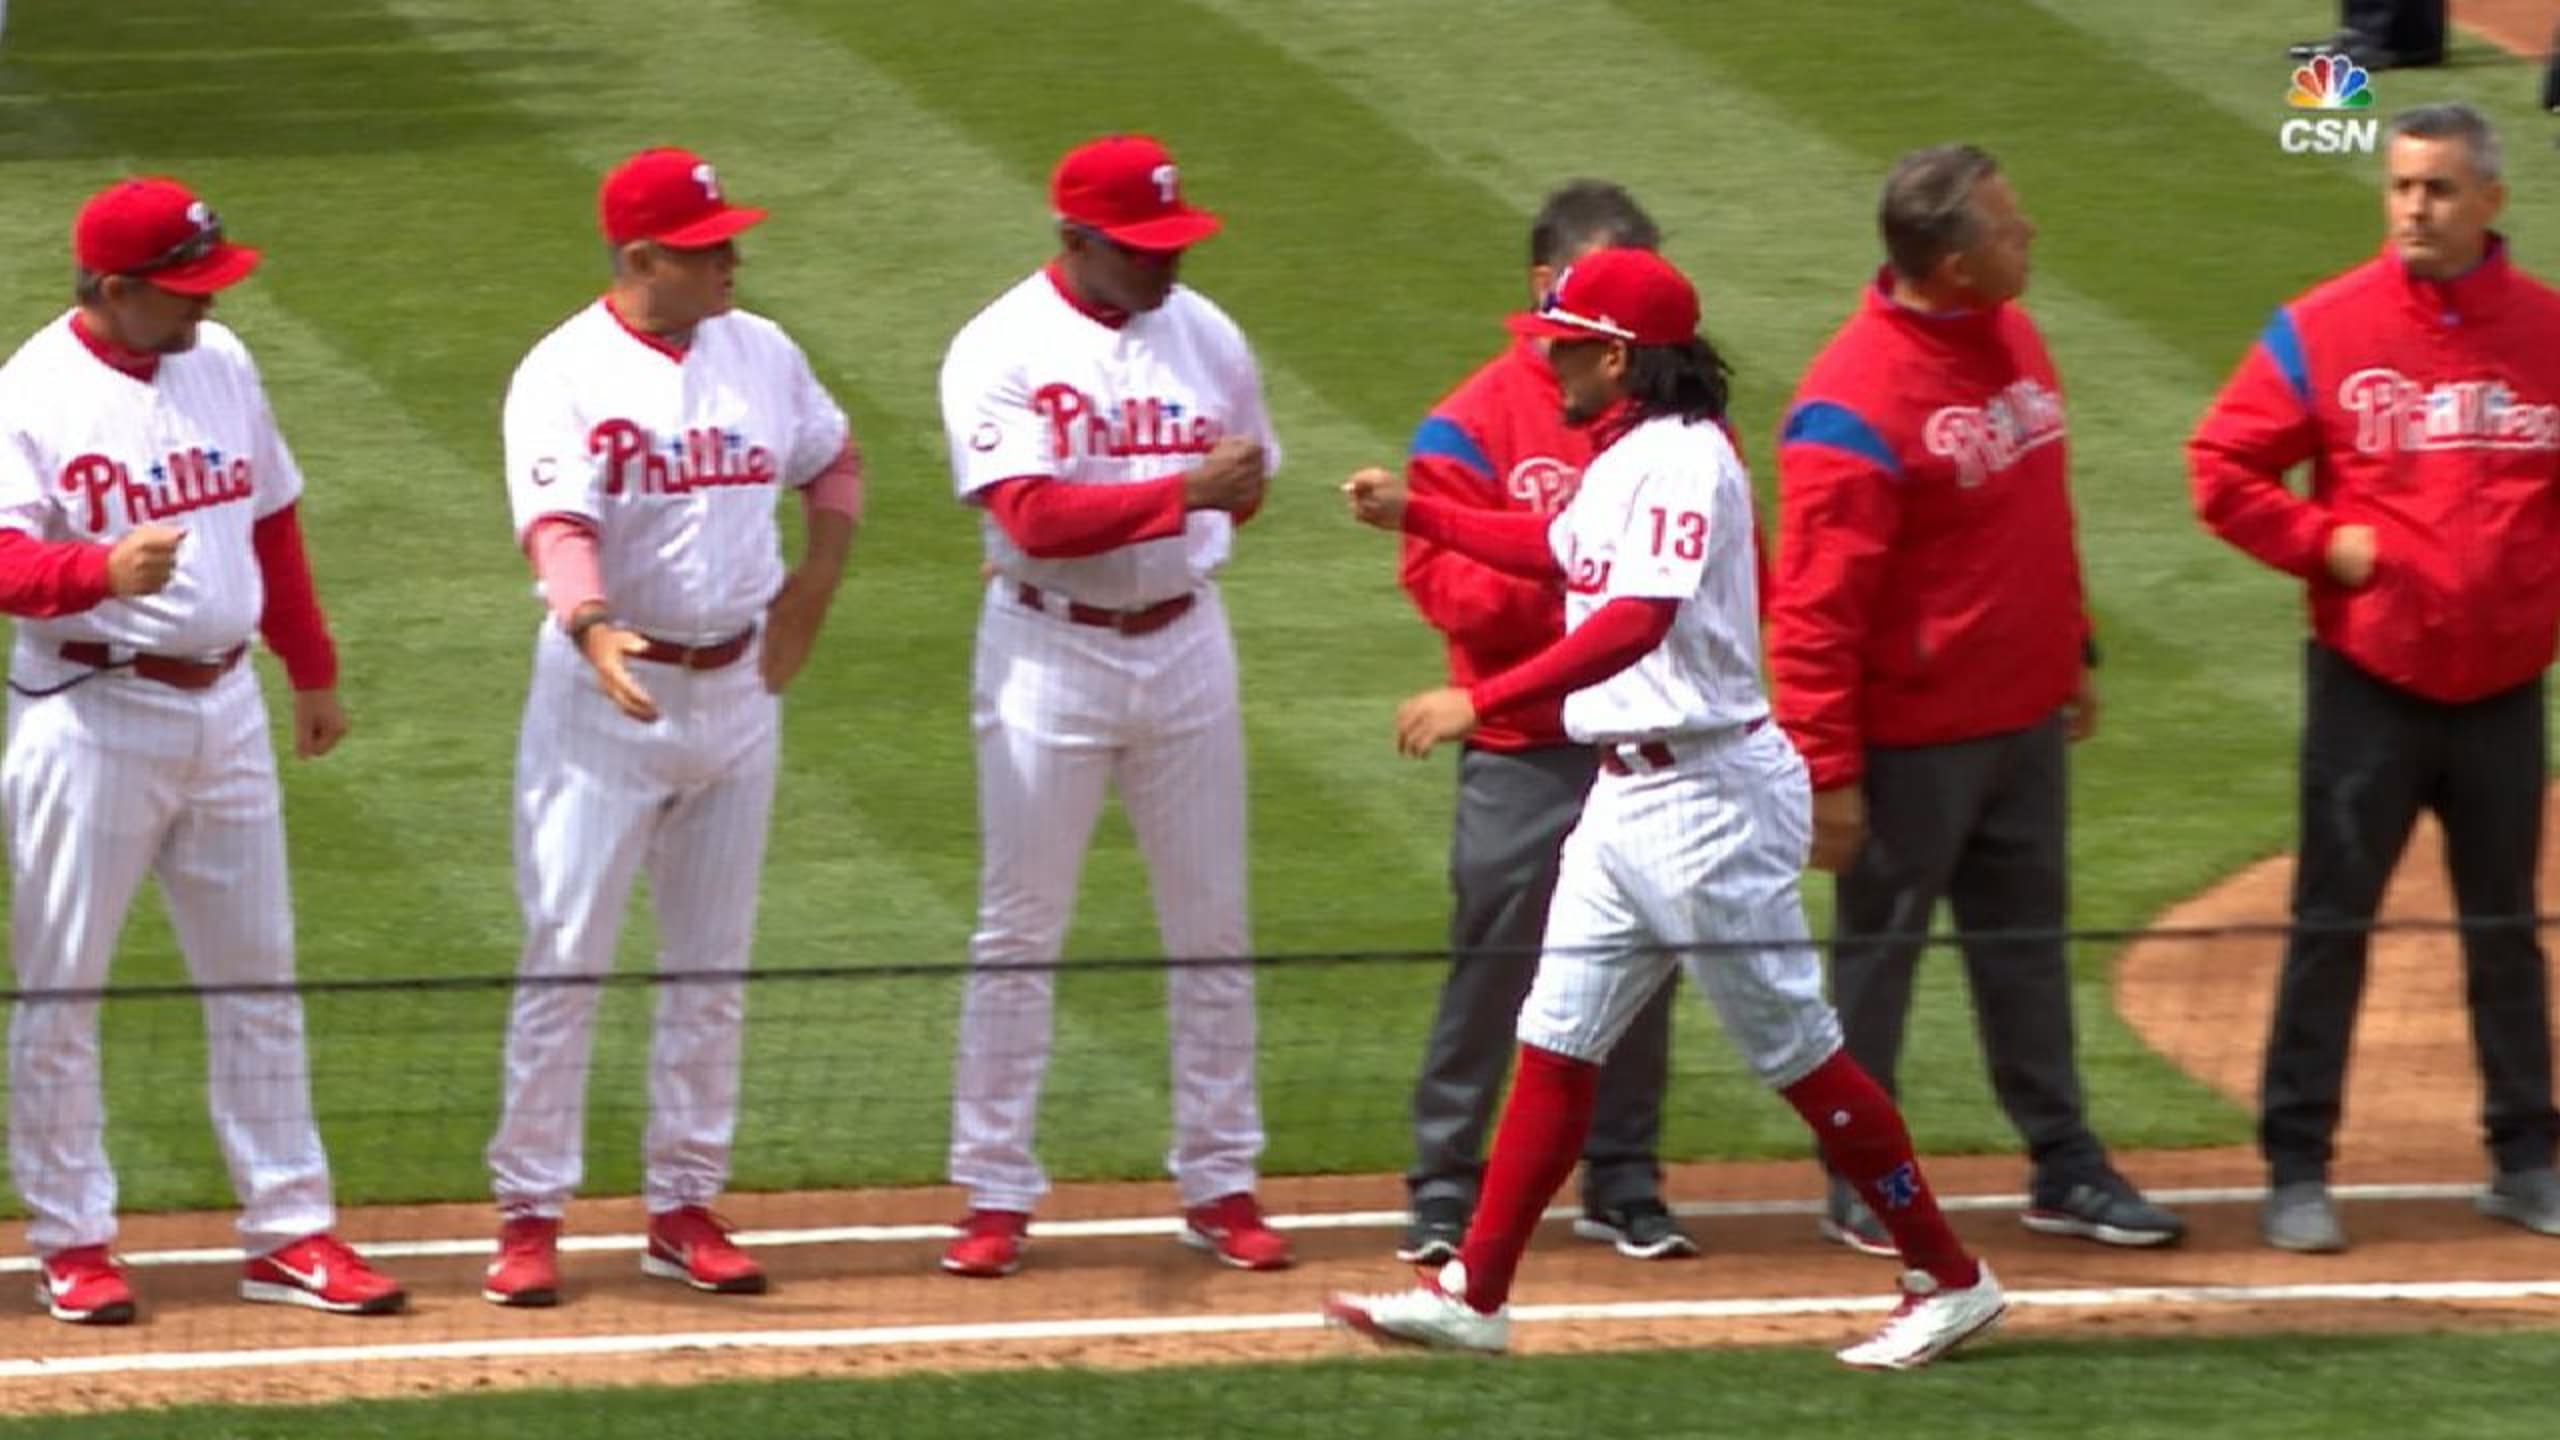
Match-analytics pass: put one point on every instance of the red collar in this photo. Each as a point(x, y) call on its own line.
point(1103, 315)
point(659, 343)
point(115, 357)
point(1954, 325)
point(2475, 292)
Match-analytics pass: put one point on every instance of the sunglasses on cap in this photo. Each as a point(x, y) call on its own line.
point(203, 242)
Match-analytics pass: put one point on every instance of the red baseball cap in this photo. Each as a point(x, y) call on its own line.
point(1126, 186)
point(670, 196)
point(1633, 296)
point(156, 229)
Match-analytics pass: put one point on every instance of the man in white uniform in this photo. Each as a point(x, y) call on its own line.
point(147, 523)
point(1109, 425)
point(648, 439)
point(1694, 834)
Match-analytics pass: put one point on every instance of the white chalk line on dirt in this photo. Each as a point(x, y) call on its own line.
point(1142, 1326)
point(1172, 1225)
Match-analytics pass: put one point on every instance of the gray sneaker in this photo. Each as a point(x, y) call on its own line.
point(2300, 1217)
point(1846, 1220)
point(1438, 1228)
point(2102, 1206)
point(2530, 1198)
point(1641, 1229)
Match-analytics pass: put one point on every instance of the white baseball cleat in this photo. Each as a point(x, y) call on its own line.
point(1429, 1314)
point(1929, 1322)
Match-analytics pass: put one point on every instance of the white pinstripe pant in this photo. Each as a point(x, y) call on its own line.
point(1064, 712)
point(113, 777)
point(1708, 850)
point(600, 797)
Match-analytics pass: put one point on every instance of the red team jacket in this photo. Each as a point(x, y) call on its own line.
point(1497, 442)
point(1928, 588)
point(2430, 412)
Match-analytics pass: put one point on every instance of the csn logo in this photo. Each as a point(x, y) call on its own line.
point(2331, 83)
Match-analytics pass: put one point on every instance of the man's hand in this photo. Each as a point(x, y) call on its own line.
point(1230, 478)
point(1377, 497)
point(1431, 717)
point(1839, 827)
point(318, 723)
point(791, 625)
point(2350, 555)
point(2080, 712)
point(143, 559)
point(608, 648)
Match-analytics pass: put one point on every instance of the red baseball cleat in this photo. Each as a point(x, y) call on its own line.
point(1232, 1228)
point(990, 1244)
point(84, 1286)
point(693, 1245)
point(319, 1272)
point(526, 1273)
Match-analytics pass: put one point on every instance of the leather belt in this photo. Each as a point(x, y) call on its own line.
point(1145, 620)
point(171, 670)
point(696, 657)
point(1659, 754)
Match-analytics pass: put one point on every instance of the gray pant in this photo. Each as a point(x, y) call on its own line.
point(1513, 813)
point(1981, 823)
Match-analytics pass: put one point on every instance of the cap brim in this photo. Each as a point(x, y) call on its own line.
point(713, 228)
point(1546, 327)
point(224, 266)
point(1178, 230)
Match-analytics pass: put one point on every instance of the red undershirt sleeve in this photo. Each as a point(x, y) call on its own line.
point(292, 623)
point(1055, 521)
point(40, 579)
point(1616, 636)
point(1513, 542)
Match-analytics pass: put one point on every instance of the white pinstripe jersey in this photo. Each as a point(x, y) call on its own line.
point(1034, 386)
point(1663, 514)
point(676, 459)
point(88, 452)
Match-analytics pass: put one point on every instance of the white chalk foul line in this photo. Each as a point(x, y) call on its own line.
point(1141, 1326)
point(1167, 1225)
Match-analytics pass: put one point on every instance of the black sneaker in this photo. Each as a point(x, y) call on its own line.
point(1433, 1236)
point(1641, 1229)
point(2102, 1206)
point(1846, 1220)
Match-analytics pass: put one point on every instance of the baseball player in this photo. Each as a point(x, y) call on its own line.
point(1109, 426)
point(1499, 441)
point(648, 438)
point(147, 523)
point(1696, 829)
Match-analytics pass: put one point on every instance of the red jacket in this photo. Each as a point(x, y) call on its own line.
point(1928, 588)
point(2430, 412)
point(1497, 442)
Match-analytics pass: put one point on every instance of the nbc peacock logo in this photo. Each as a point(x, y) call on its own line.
point(2331, 83)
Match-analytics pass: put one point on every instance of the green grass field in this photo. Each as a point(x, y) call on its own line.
point(422, 173)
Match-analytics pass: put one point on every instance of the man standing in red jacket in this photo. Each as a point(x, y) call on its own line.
point(1499, 441)
point(1931, 655)
point(2423, 387)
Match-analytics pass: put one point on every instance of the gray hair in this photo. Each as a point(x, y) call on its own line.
point(1581, 214)
point(1926, 213)
point(87, 286)
point(2453, 120)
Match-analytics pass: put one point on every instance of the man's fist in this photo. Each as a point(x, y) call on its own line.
point(1229, 478)
point(142, 561)
point(1377, 497)
point(2350, 555)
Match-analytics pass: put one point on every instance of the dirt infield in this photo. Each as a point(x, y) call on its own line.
point(2521, 27)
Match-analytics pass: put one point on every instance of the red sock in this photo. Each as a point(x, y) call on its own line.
point(1540, 1139)
point(1863, 1139)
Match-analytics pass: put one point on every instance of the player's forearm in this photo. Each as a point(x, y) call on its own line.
point(291, 622)
point(1616, 636)
point(1514, 542)
point(1053, 521)
point(562, 551)
point(42, 579)
point(826, 550)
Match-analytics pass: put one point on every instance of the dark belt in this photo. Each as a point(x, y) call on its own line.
point(696, 657)
point(1145, 620)
point(170, 670)
point(1658, 754)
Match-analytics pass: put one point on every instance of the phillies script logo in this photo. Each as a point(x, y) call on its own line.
point(1986, 439)
point(190, 479)
point(1543, 483)
point(1584, 574)
point(1152, 426)
point(2394, 412)
point(696, 459)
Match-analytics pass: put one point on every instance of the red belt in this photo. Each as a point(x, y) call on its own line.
point(1658, 754)
point(170, 670)
point(1145, 620)
point(696, 657)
